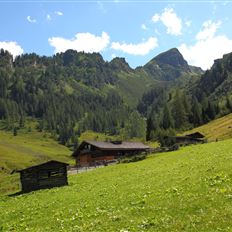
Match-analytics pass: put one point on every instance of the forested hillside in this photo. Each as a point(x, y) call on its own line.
point(68, 93)
point(191, 101)
point(216, 83)
point(73, 92)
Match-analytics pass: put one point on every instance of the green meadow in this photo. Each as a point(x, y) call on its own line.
point(185, 190)
point(28, 148)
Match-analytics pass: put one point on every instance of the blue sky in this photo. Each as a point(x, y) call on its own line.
point(136, 30)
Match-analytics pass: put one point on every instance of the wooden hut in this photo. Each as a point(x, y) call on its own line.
point(196, 135)
point(46, 175)
point(193, 138)
point(92, 153)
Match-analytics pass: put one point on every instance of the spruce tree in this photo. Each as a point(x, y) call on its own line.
point(15, 131)
point(178, 111)
point(228, 103)
point(211, 110)
point(196, 112)
point(167, 119)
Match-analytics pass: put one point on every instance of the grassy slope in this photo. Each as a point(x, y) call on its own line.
point(91, 135)
point(185, 190)
point(26, 149)
point(30, 148)
point(220, 128)
point(132, 86)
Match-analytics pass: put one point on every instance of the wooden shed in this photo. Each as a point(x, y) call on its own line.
point(193, 138)
point(46, 175)
point(92, 153)
point(196, 135)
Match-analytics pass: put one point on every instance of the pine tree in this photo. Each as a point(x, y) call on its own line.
point(167, 120)
point(152, 126)
point(211, 112)
point(15, 131)
point(228, 103)
point(187, 105)
point(75, 143)
point(204, 104)
point(135, 126)
point(196, 112)
point(178, 111)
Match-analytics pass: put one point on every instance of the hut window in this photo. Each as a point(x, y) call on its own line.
point(56, 173)
point(43, 175)
point(87, 147)
point(120, 153)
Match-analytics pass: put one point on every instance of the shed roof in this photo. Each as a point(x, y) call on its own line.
point(196, 135)
point(183, 137)
point(41, 164)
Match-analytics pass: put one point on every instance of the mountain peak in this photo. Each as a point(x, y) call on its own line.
point(172, 57)
point(120, 63)
point(168, 65)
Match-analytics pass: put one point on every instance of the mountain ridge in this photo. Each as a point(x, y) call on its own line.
point(169, 65)
point(72, 92)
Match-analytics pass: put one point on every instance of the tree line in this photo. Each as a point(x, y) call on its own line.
point(72, 92)
point(171, 110)
point(67, 94)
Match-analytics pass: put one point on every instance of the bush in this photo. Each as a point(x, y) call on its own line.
point(135, 158)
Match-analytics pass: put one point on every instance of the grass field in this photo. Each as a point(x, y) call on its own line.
point(31, 147)
point(218, 129)
point(26, 149)
point(185, 190)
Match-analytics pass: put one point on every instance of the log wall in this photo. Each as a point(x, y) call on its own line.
point(44, 176)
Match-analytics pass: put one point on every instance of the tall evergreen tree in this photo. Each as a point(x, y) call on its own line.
point(196, 113)
point(211, 112)
point(228, 103)
point(166, 120)
point(178, 111)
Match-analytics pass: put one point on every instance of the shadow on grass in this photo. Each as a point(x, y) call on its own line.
point(35, 190)
point(16, 194)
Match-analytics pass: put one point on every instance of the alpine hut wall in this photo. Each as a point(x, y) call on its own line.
point(46, 175)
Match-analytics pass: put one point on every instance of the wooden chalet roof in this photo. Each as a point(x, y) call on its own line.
point(41, 164)
point(113, 145)
point(116, 145)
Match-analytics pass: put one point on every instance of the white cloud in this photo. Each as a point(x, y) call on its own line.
point(208, 30)
point(48, 17)
point(136, 49)
point(155, 18)
point(30, 19)
point(59, 13)
point(144, 27)
point(188, 23)
point(170, 20)
point(86, 42)
point(208, 46)
point(12, 47)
